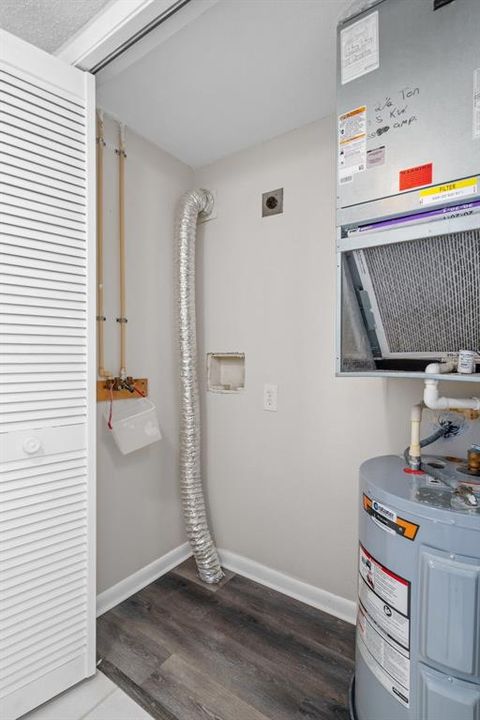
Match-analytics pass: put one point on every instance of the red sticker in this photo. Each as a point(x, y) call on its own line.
point(416, 176)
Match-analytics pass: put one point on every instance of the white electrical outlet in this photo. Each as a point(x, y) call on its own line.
point(270, 398)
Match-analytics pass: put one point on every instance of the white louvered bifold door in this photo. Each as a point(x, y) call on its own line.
point(47, 376)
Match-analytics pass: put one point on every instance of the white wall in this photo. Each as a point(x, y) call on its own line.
point(282, 486)
point(139, 516)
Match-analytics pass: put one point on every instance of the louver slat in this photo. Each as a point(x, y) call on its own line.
point(46, 584)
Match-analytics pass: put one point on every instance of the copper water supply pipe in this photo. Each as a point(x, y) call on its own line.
point(102, 373)
point(121, 241)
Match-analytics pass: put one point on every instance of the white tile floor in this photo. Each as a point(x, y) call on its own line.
point(97, 698)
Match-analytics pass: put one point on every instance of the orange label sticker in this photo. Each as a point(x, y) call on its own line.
point(416, 176)
point(389, 520)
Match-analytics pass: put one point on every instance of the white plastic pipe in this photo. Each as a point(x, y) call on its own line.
point(415, 451)
point(431, 395)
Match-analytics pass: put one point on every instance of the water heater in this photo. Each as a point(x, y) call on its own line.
point(418, 628)
point(408, 187)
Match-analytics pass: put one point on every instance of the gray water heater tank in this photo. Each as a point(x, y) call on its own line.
point(418, 626)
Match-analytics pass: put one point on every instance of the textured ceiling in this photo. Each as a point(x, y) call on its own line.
point(242, 73)
point(47, 23)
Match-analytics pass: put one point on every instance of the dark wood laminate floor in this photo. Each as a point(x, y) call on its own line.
point(238, 651)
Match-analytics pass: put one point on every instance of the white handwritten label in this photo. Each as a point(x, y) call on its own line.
point(476, 103)
point(359, 48)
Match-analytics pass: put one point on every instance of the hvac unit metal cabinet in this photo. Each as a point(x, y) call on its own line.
point(408, 191)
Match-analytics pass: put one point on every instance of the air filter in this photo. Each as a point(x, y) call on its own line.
point(424, 294)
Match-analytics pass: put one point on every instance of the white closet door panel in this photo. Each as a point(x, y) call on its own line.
point(10, 329)
point(43, 619)
point(40, 200)
point(41, 148)
point(40, 239)
point(42, 249)
point(16, 135)
point(21, 208)
point(39, 174)
point(38, 107)
point(67, 239)
point(51, 223)
point(39, 184)
point(39, 90)
point(35, 125)
point(42, 261)
point(66, 90)
point(40, 343)
point(50, 354)
point(38, 535)
point(24, 299)
point(26, 152)
point(32, 166)
point(47, 388)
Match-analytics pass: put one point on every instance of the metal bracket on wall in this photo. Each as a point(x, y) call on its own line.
point(121, 389)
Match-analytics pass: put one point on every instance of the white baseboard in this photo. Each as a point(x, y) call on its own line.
point(133, 583)
point(310, 594)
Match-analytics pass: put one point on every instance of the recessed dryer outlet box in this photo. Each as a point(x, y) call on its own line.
point(272, 202)
point(226, 372)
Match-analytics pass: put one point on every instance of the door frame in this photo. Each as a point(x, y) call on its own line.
point(120, 22)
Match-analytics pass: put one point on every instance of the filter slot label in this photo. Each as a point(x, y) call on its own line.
point(383, 625)
point(449, 191)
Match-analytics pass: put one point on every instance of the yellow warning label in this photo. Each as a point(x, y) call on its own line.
point(449, 191)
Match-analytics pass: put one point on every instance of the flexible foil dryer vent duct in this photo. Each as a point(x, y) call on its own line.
point(424, 294)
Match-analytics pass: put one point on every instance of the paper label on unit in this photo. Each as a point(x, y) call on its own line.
point(383, 627)
point(449, 191)
point(376, 157)
point(476, 103)
point(359, 48)
point(352, 143)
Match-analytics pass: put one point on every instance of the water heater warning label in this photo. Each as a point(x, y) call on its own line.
point(383, 625)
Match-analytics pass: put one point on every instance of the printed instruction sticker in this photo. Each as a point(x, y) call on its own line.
point(376, 157)
point(476, 103)
point(359, 48)
point(383, 627)
point(352, 143)
point(449, 191)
